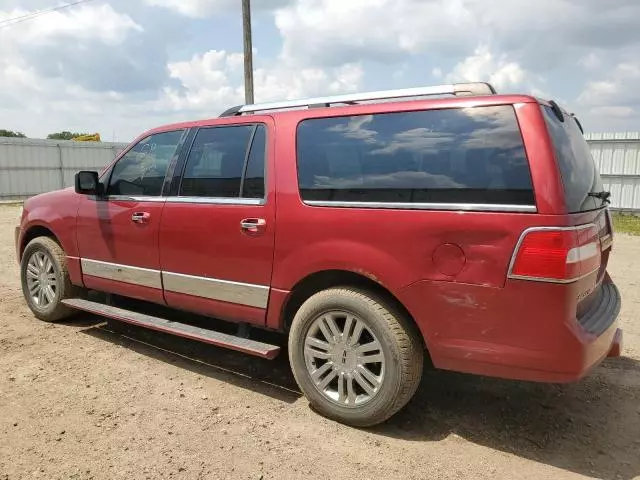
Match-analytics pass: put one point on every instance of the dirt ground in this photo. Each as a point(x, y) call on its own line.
point(87, 399)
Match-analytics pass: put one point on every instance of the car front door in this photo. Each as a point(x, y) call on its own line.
point(118, 233)
point(217, 232)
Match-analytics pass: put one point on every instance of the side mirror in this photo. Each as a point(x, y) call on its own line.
point(87, 183)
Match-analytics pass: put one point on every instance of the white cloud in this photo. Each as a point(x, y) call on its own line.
point(612, 102)
point(619, 86)
point(590, 61)
point(204, 8)
point(484, 66)
point(100, 22)
point(211, 82)
point(44, 61)
point(193, 8)
point(541, 34)
point(619, 112)
point(333, 32)
point(287, 83)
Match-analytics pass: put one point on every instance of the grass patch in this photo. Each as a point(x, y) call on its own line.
point(626, 224)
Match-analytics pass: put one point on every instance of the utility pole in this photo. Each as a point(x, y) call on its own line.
point(248, 52)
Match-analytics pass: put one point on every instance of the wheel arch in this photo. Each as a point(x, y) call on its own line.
point(324, 279)
point(35, 231)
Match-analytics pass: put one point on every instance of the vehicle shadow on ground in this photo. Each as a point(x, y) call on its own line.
point(272, 378)
point(591, 427)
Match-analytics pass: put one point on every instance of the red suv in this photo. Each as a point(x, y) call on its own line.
point(369, 228)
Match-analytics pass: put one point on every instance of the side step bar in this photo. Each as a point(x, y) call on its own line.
point(244, 345)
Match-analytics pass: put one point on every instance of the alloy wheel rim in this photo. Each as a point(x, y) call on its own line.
point(344, 359)
point(42, 282)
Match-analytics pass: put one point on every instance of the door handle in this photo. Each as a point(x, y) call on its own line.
point(253, 225)
point(140, 217)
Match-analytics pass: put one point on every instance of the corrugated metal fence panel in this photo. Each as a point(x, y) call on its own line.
point(617, 156)
point(30, 166)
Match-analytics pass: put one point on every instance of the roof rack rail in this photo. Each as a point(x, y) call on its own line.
point(458, 89)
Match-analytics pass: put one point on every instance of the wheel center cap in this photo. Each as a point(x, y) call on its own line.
point(345, 358)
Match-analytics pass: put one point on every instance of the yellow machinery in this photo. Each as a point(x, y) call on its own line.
point(95, 137)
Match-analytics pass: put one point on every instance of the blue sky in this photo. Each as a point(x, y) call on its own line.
point(119, 67)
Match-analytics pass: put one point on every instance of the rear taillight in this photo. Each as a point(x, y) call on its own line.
point(556, 254)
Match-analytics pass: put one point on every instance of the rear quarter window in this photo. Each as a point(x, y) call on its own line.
point(450, 156)
point(580, 177)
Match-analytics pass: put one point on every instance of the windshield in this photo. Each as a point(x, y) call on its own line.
point(580, 176)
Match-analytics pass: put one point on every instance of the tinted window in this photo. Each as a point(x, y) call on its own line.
point(253, 185)
point(472, 155)
point(216, 162)
point(579, 173)
point(142, 169)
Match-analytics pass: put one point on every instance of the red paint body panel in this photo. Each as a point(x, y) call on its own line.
point(205, 240)
point(231, 312)
point(545, 173)
point(75, 271)
point(106, 233)
point(55, 211)
point(138, 292)
point(277, 302)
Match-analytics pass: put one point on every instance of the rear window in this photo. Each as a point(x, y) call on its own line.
point(471, 156)
point(577, 168)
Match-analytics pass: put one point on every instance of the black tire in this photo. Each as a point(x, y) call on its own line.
point(401, 345)
point(54, 310)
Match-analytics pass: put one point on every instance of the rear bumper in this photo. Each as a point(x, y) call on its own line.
point(521, 343)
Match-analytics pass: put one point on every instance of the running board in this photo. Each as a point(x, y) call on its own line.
point(212, 337)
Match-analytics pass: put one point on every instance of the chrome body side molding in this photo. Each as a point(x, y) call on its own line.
point(212, 288)
point(215, 289)
point(122, 273)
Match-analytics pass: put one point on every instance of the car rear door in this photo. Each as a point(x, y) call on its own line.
point(217, 231)
point(118, 234)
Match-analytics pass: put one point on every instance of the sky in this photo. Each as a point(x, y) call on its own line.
point(120, 67)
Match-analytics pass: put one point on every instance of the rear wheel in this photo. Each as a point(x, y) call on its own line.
point(45, 279)
point(356, 358)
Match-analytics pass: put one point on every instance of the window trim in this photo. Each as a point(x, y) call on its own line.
point(170, 167)
point(239, 200)
point(445, 206)
point(467, 207)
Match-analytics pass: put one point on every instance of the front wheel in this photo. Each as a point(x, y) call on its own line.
point(356, 358)
point(45, 279)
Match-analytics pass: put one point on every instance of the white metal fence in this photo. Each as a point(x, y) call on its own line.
point(29, 166)
point(617, 156)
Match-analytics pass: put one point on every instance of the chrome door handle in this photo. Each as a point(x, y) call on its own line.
point(140, 217)
point(253, 225)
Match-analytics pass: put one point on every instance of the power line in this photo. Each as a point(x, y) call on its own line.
point(30, 16)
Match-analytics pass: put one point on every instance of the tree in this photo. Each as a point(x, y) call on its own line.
point(65, 135)
point(11, 133)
